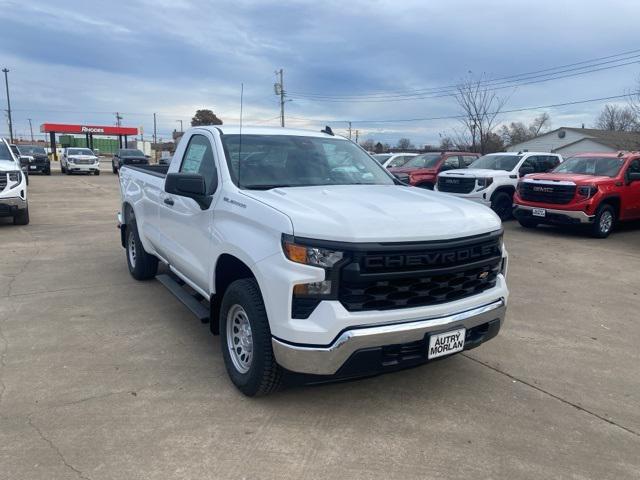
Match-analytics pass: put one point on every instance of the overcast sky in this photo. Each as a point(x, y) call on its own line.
point(72, 63)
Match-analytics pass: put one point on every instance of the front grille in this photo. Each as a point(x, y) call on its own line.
point(547, 193)
point(456, 184)
point(3, 181)
point(83, 161)
point(420, 276)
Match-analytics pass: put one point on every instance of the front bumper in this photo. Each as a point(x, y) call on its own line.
point(39, 167)
point(73, 167)
point(365, 350)
point(482, 197)
point(553, 216)
point(11, 205)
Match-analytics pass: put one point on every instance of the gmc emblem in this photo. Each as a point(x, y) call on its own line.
point(543, 189)
point(429, 259)
point(452, 180)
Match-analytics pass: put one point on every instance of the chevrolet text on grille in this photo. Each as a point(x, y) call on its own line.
point(432, 258)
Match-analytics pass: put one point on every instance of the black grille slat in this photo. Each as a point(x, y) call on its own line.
point(3, 181)
point(546, 193)
point(456, 184)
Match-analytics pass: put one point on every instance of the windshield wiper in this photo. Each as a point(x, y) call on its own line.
point(267, 186)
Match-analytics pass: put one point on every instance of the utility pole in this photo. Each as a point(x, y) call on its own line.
point(118, 118)
point(6, 84)
point(349, 130)
point(31, 129)
point(279, 89)
point(180, 125)
point(357, 133)
point(155, 137)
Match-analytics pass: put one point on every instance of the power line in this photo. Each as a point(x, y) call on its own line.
point(489, 81)
point(454, 117)
point(452, 94)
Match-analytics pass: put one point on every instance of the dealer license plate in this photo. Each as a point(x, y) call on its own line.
point(32, 167)
point(446, 343)
point(539, 212)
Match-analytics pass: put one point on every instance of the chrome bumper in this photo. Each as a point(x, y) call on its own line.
point(327, 360)
point(579, 215)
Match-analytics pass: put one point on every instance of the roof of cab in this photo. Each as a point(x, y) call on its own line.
point(247, 130)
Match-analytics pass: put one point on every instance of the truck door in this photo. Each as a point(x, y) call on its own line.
point(186, 228)
point(630, 197)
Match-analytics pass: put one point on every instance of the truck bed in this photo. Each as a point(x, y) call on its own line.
point(155, 170)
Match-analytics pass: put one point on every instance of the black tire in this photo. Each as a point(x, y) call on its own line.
point(27, 178)
point(142, 265)
point(48, 171)
point(426, 186)
point(96, 172)
point(502, 204)
point(527, 223)
point(603, 222)
point(62, 169)
point(264, 375)
point(22, 217)
point(114, 169)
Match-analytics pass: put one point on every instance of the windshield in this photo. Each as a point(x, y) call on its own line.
point(382, 157)
point(426, 160)
point(5, 154)
point(599, 166)
point(497, 162)
point(79, 151)
point(131, 153)
point(262, 162)
point(30, 150)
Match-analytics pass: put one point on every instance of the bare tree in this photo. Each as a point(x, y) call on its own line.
point(404, 144)
point(539, 124)
point(617, 119)
point(446, 143)
point(518, 132)
point(369, 144)
point(480, 106)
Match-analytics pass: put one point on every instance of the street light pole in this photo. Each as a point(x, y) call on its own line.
point(180, 125)
point(6, 84)
point(31, 128)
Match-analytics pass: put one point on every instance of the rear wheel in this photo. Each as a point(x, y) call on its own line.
point(501, 203)
point(603, 222)
point(246, 340)
point(142, 265)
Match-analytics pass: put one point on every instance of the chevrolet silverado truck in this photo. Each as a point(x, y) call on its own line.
point(308, 258)
point(79, 160)
point(591, 189)
point(492, 179)
point(13, 187)
point(422, 170)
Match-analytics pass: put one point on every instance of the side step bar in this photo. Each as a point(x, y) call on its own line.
point(193, 301)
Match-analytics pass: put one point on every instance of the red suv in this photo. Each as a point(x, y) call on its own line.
point(594, 189)
point(422, 170)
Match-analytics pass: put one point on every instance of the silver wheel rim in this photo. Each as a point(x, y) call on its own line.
point(131, 249)
point(606, 221)
point(239, 338)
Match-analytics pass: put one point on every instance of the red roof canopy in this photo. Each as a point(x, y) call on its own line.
point(93, 129)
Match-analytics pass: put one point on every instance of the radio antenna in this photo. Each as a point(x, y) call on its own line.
point(240, 139)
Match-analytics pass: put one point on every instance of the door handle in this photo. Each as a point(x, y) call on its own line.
point(168, 201)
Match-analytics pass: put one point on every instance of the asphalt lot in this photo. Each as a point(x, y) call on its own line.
point(103, 377)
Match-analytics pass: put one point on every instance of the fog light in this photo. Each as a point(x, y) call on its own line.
point(315, 288)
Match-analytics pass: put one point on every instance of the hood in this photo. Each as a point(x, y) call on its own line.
point(377, 213)
point(475, 173)
point(576, 178)
point(8, 166)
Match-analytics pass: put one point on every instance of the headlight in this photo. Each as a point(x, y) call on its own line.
point(314, 256)
point(16, 178)
point(587, 191)
point(70, 160)
point(484, 182)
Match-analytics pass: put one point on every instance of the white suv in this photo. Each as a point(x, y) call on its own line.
point(492, 179)
point(79, 160)
point(13, 187)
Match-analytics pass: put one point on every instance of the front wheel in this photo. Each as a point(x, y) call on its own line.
point(527, 223)
point(501, 203)
point(246, 340)
point(62, 169)
point(428, 186)
point(22, 217)
point(603, 222)
point(142, 265)
point(96, 172)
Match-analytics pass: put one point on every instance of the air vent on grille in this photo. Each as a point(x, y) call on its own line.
point(3, 180)
point(547, 193)
point(456, 184)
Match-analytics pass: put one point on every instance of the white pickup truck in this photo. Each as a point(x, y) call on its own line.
point(13, 187)
point(308, 257)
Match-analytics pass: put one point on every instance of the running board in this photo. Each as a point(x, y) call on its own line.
point(191, 300)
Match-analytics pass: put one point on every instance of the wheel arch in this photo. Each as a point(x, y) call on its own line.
point(508, 189)
point(614, 201)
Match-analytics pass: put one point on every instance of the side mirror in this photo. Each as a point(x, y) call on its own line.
point(148, 157)
point(190, 185)
point(24, 161)
point(525, 171)
point(403, 177)
point(633, 176)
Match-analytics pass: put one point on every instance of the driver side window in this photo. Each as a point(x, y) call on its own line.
point(528, 166)
point(198, 158)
